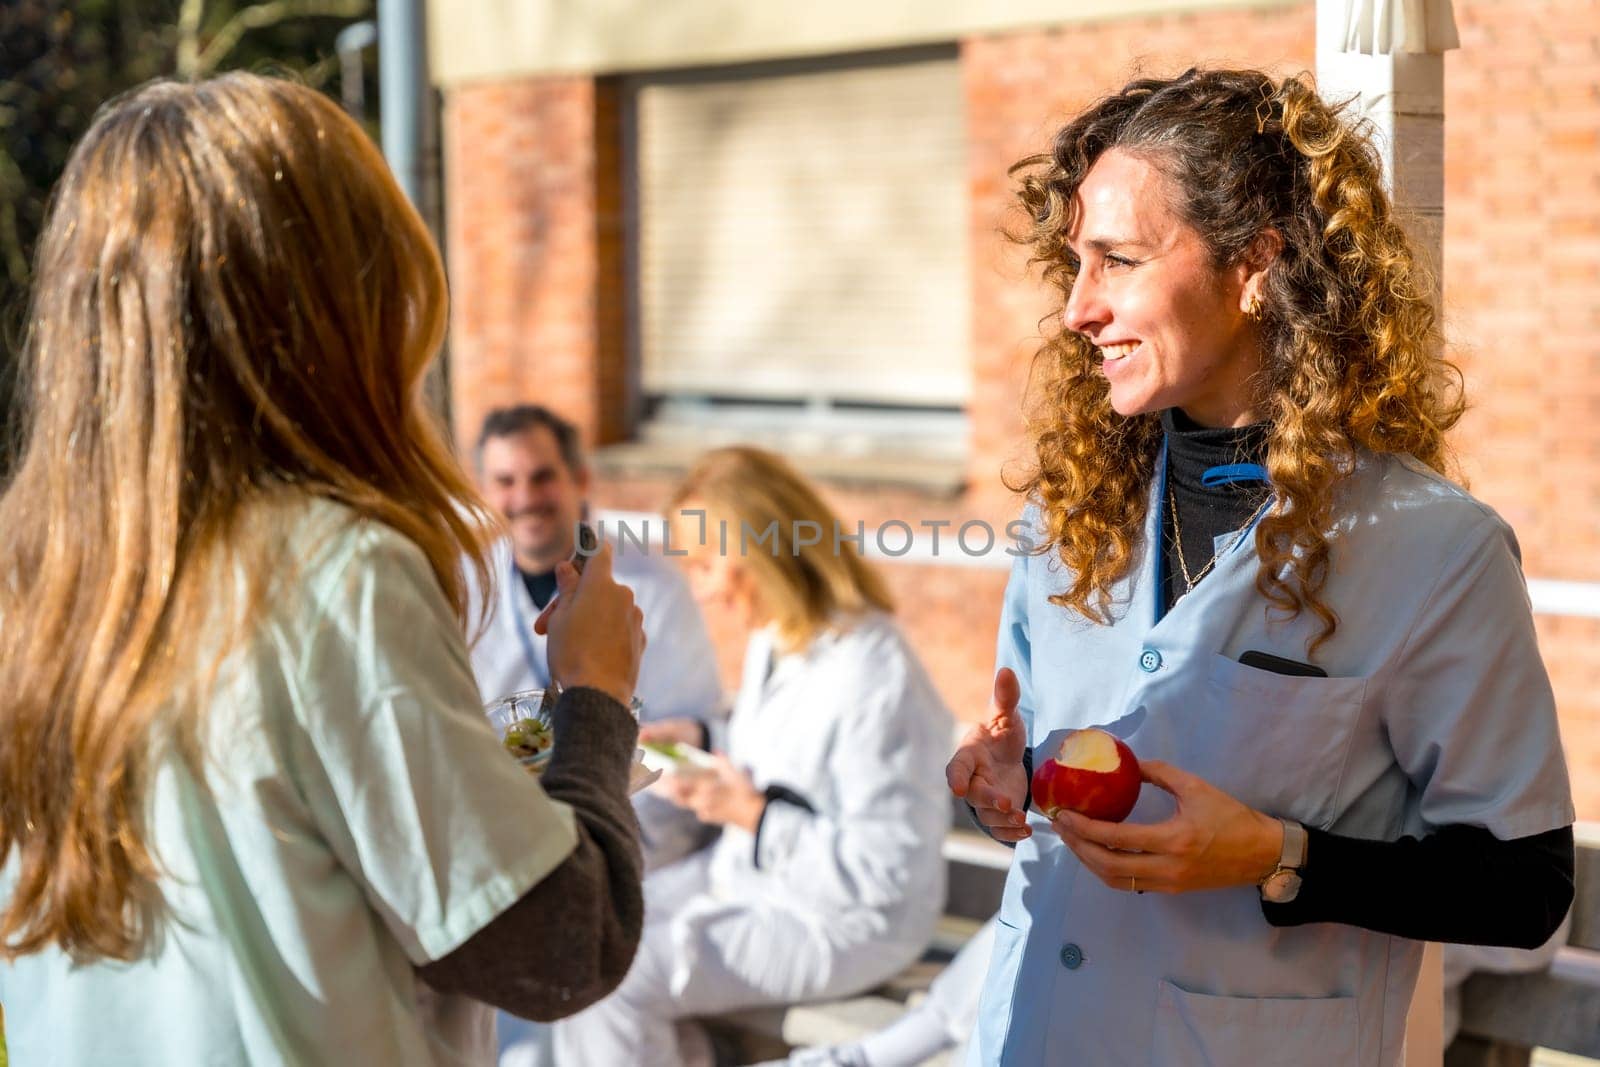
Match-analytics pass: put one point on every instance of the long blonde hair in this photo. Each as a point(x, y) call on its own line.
point(233, 301)
point(807, 582)
point(1352, 349)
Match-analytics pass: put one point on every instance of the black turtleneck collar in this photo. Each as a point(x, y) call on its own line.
point(1192, 449)
point(1205, 513)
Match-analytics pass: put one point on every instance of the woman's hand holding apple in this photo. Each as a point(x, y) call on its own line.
point(1211, 842)
point(986, 770)
point(720, 794)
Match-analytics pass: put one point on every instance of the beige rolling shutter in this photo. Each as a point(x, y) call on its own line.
point(804, 235)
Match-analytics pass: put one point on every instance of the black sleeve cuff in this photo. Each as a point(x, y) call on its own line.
point(1325, 854)
point(783, 794)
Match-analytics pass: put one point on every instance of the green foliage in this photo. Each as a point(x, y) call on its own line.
point(61, 59)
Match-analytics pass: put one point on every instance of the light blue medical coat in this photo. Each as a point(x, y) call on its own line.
point(1437, 711)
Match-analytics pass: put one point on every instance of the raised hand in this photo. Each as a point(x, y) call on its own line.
point(987, 771)
point(596, 633)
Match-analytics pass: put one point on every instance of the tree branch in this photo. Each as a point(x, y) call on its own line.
point(316, 76)
point(256, 16)
point(13, 256)
point(189, 18)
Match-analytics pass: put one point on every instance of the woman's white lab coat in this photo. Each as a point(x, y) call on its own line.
point(854, 726)
point(842, 885)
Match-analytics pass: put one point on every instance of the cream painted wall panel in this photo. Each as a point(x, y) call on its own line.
point(474, 40)
point(805, 235)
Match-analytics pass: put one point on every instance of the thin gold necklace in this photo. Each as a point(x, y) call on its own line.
point(1177, 534)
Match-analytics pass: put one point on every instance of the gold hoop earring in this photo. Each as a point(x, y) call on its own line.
point(1252, 310)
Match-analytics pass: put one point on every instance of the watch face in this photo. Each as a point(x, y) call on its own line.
point(1282, 887)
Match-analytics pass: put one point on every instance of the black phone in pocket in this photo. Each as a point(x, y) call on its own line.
point(1266, 661)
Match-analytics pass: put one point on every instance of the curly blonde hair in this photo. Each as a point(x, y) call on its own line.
point(1352, 355)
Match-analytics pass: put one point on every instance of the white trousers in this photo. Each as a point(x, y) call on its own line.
point(954, 994)
point(701, 956)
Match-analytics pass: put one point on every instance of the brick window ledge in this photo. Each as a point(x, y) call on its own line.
point(938, 479)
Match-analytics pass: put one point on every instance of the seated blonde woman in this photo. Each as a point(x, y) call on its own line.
point(827, 876)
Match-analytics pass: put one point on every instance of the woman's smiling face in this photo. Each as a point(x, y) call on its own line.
point(1170, 327)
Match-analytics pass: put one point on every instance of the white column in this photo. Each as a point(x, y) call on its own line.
point(1402, 93)
point(1399, 85)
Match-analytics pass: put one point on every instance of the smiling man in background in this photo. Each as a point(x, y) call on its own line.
point(531, 469)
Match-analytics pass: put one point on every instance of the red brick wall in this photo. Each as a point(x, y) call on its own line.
point(1522, 304)
point(532, 219)
point(950, 613)
point(536, 271)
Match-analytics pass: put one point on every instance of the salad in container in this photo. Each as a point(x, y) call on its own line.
point(522, 722)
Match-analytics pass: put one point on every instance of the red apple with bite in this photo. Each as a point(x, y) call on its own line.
point(1093, 772)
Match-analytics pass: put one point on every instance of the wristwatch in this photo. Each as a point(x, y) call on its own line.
point(1283, 884)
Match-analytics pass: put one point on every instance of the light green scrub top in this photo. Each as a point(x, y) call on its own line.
point(358, 818)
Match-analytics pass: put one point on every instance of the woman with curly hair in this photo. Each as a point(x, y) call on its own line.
point(1252, 565)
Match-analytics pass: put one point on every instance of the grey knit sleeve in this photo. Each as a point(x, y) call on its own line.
point(570, 939)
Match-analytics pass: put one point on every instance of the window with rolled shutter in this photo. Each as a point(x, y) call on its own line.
point(802, 236)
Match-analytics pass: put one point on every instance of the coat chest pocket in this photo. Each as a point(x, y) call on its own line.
point(1195, 1030)
point(1275, 741)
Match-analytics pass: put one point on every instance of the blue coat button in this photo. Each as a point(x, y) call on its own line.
point(1071, 956)
point(1149, 661)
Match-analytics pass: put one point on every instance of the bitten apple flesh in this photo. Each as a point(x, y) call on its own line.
point(1093, 772)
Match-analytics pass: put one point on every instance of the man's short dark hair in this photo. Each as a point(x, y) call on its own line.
point(512, 421)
